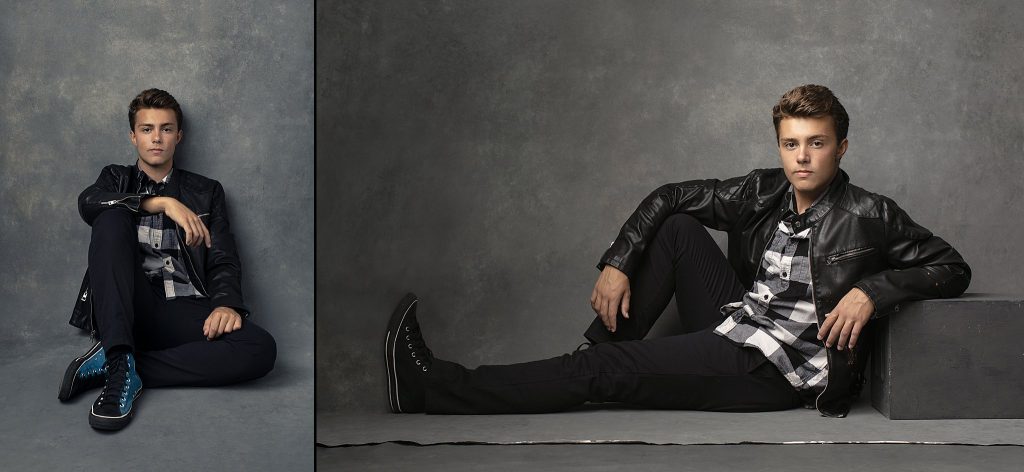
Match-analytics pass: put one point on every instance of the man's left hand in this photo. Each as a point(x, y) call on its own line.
point(846, 320)
point(221, 321)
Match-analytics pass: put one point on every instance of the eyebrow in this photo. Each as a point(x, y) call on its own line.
point(151, 124)
point(817, 136)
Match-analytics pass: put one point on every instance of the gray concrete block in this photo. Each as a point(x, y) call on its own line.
point(956, 358)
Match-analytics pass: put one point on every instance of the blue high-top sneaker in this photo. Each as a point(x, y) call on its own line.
point(84, 373)
point(114, 408)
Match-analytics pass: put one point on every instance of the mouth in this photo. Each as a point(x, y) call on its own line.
point(156, 151)
point(802, 173)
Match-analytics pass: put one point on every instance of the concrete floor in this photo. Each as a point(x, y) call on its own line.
point(266, 424)
point(612, 423)
point(748, 458)
point(613, 437)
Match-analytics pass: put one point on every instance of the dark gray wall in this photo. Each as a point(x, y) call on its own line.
point(243, 73)
point(484, 154)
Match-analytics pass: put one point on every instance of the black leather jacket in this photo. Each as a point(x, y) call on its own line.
point(864, 240)
point(216, 272)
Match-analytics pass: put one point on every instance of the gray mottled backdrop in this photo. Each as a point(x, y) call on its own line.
point(243, 73)
point(484, 154)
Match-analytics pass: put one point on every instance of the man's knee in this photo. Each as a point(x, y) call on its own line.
point(261, 352)
point(681, 222)
point(114, 223)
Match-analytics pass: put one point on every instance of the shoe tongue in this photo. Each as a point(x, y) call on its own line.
point(117, 363)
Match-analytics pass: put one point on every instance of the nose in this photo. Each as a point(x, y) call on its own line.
point(803, 155)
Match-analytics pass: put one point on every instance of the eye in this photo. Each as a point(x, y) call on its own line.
point(789, 145)
point(817, 144)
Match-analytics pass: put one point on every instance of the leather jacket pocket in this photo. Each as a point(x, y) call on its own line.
point(850, 254)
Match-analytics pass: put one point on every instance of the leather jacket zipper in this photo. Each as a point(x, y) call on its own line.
point(814, 301)
point(92, 314)
point(835, 258)
point(114, 202)
point(188, 259)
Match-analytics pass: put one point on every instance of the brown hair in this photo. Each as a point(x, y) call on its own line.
point(812, 101)
point(154, 98)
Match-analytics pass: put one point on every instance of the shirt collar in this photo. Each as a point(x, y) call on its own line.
point(818, 208)
point(149, 186)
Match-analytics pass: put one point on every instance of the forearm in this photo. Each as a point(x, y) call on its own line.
point(891, 287)
point(710, 201)
point(224, 267)
point(155, 205)
point(93, 201)
point(107, 192)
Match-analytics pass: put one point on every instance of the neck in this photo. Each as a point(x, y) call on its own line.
point(804, 200)
point(155, 173)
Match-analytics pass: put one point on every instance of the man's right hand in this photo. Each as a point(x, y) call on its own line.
point(611, 292)
point(195, 231)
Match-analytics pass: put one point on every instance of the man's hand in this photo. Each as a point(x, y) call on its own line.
point(222, 320)
point(195, 231)
point(611, 292)
point(847, 320)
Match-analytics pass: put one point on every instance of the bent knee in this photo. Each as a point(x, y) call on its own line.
point(683, 222)
point(112, 216)
point(113, 222)
point(261, 353)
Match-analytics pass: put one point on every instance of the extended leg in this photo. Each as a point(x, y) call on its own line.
point(700, 370)
point(694, 371)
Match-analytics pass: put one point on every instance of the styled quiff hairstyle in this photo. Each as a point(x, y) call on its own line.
point(811, 101)
point(154, 98)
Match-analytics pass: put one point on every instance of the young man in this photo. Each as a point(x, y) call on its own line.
point(780, 324)
point(162, 294)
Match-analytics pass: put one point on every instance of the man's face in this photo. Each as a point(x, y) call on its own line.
point(155, 135)
point(809, 153)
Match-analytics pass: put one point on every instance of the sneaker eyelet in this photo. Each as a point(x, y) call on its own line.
point(424, 368)
point(407, 338)
point(406, 329)
point(414, 354)
point(417, 362)
point(409, 345)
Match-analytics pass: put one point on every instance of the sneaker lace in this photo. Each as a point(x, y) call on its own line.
point(92, 372)
point(116, 387)
point(414, 338)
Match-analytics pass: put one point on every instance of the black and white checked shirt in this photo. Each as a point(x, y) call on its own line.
point(777, 316)
point(161, 255)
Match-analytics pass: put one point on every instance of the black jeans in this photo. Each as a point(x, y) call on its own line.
point(166, 335)
point(697, 370)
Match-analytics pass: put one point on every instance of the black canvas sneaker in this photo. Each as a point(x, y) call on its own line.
point(84, 373)
point(408, 358)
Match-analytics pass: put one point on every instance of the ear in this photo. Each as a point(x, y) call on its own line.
point(131, 135)
point(842, 148)
point(179, 134)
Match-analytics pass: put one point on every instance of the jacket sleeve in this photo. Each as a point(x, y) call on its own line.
point(223, 267)
point(105, 194)
point(717, 204)
point(922, 265)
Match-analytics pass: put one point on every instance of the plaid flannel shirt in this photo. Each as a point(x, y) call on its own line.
point(161, 255)
point(777, 316)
